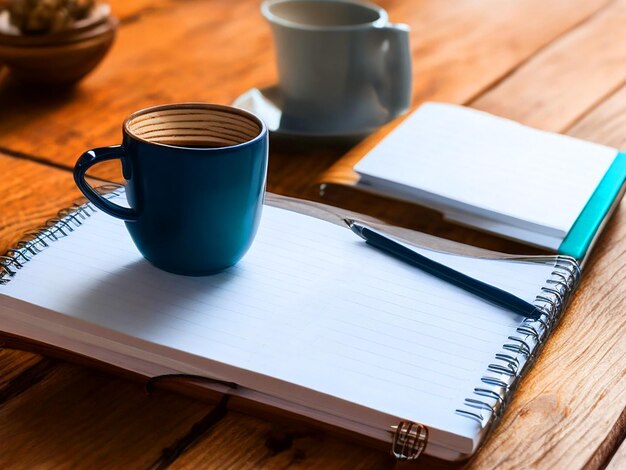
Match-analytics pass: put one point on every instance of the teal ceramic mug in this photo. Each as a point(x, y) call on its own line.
point(195, 184)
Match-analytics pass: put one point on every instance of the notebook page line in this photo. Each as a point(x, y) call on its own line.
point(202, 307)
point(364, 292)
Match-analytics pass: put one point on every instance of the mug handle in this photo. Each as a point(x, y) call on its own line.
point(398, 65)
point(86, 161)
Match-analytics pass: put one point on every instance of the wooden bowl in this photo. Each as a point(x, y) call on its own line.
point(61, 62)
point(88, 27)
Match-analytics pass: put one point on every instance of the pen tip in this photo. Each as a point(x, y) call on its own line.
point(354, 226)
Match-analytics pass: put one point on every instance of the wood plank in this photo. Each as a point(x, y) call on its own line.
point(77, 418)
point(25, 206)
point(574, 394)
point(244, 442)
point(605, 453)
point(192, 51)
point(606, 123)
point(618, 461)
point(127, 11)
point(562, 82)
point(31, 193)
point(12, 365)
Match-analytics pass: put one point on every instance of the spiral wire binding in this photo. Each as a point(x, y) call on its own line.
point(488, 401)
point(409, 440)
point(33, 243)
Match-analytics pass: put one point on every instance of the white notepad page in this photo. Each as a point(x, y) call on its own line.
point(310, 304)
point(456, 158)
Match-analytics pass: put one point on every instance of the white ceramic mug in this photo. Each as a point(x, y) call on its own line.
point(341, 63)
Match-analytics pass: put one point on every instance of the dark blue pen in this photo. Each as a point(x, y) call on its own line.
point(478, 288)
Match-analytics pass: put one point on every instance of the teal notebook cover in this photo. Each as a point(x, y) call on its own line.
point(582, 233)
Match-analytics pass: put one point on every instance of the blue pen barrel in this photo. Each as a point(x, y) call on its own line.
point(480, 289)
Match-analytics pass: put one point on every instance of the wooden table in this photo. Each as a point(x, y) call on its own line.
point(558, 65)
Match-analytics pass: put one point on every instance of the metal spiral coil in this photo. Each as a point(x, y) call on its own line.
point(66, 221)
point(489, 399)
point(409, 440)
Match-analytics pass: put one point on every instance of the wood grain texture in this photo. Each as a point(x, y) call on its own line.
point(618, 461)
point(77, 418)
point(12, 365)
point(605, 452)
point(606, 123)
point(132, 11)
point(244, 442)
point(31, 194)
point(577, 71)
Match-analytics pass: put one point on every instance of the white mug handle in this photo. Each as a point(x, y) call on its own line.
point(395, 86)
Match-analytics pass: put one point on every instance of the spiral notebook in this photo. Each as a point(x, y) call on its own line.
point(312, 321)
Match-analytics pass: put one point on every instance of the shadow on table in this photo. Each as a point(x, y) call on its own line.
point(26, 98)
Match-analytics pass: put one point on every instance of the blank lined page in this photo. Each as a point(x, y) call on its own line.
point(310, 304)
point(463, 159)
